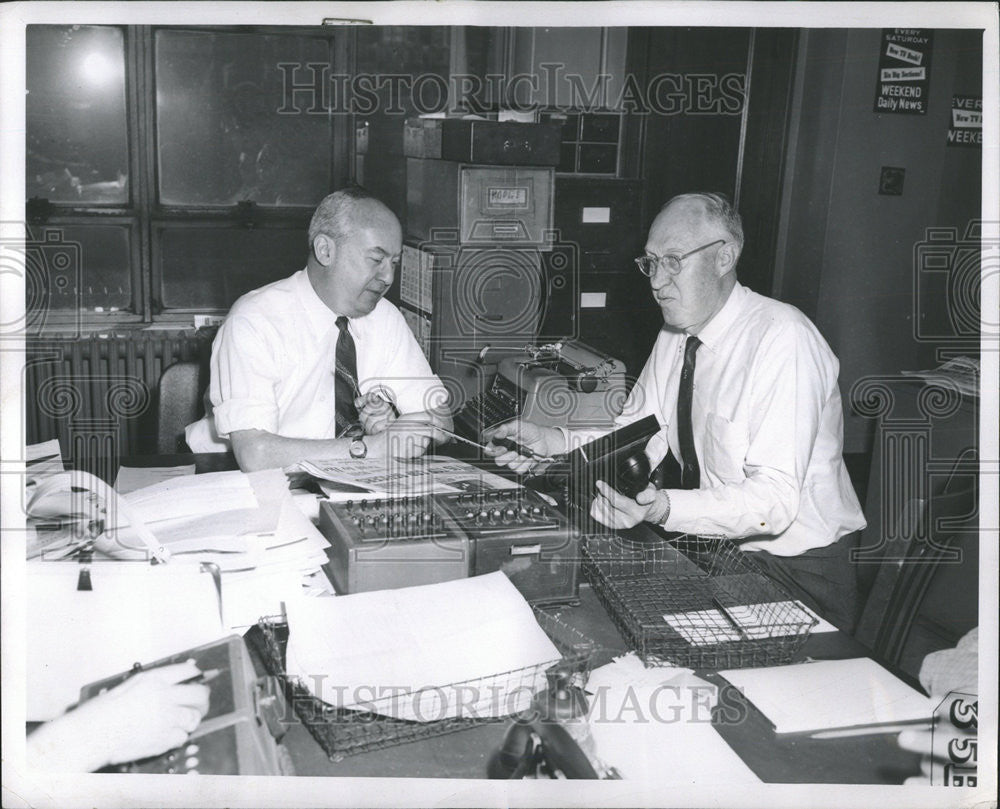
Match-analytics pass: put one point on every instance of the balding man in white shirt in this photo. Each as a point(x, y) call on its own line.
point(319, 365)
point(746, 390)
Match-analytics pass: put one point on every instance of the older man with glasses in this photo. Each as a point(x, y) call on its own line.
point(746, 390)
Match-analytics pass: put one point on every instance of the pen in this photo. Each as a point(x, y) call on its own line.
point(514, 446)
point(500, 442)
point(201, 678)
point(519, 449)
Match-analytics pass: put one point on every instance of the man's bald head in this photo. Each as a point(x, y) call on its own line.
point(711, 212)
point(344, 211)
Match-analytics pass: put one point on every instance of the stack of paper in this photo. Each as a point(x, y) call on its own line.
point(131, 478)
point(42, 459)
point(247, 524)
point(654, 726)
point(232, 519)
point(469, 647)
point(832, 697)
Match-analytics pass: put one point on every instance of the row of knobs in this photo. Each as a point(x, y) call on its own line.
point(481, 508)
point(388, 504)
point(396, 522)
point(498, 515)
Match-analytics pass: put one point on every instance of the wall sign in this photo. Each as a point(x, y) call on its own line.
point(966, 127)
point(904, 71)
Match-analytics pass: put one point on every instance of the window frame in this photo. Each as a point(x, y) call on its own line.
point(147, 217)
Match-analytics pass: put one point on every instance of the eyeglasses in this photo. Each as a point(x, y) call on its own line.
point(648, 264)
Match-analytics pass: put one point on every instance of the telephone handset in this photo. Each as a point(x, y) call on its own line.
point(618, 458)
point(74, 510)
point(540, 748)
point(540, 742)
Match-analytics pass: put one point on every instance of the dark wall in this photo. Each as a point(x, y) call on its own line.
point(401, 50)
point(850, 257)
point(695, 148)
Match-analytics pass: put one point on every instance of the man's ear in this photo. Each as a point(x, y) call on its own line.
point(725, 259)
point(324, 249)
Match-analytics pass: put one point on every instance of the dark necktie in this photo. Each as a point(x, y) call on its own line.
point(345, 379)
point(690, 472)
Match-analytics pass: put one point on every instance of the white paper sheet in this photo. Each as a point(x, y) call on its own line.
point(654, 726)
point(135, 613)
point(193, 534)
point(395, 651)
point(41, 460)
point(193, 495)
point(830, 694)
point(248, 597)
point(133, 478)
point(753, 621)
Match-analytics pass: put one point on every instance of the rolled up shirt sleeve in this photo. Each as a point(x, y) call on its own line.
point(955, 669)
point(244, 377)
point(763, 454)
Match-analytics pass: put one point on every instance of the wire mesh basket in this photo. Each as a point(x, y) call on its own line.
point(695, 601)
point(343, 732)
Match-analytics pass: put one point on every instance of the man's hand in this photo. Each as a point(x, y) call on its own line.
point(934, 747)
point(407, 437)
point(946, 744)
point(544, 442)
point(376, 411)
point(148, 714)
point(615, 510)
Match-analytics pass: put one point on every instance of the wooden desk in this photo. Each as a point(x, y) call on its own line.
point(875, 759)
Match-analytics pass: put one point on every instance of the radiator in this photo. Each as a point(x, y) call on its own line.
point(97, 394)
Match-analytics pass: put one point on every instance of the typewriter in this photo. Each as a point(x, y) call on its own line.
point(567, 384)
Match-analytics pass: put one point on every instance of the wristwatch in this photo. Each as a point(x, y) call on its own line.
point(358, 448)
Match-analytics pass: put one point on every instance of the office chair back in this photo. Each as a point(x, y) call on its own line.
point(925, 593)
point(182, 387)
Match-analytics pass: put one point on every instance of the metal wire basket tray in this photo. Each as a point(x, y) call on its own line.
point(695, 601)
point(343, 732)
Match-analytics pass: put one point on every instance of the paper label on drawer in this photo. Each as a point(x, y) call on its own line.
point(596, 216)
point(593, 300)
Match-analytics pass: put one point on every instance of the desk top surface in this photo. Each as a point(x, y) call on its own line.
point(873, 759)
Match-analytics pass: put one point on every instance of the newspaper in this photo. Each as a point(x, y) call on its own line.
point(401, 477)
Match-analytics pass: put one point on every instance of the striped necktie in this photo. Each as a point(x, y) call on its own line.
point(345, 380)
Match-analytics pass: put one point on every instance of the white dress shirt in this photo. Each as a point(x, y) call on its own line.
point(273, 365)
point(767, 423)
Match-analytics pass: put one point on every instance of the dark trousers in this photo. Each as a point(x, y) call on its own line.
point(824, 579)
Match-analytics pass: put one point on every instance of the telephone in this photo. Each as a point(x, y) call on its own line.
point(618, 458)
point(552, 738)
point(540, 748)
point(69, 512)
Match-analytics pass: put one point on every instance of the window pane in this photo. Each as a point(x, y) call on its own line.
point(80, 266)
point(76, 126)
point(210, 267)
point(220, 136)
